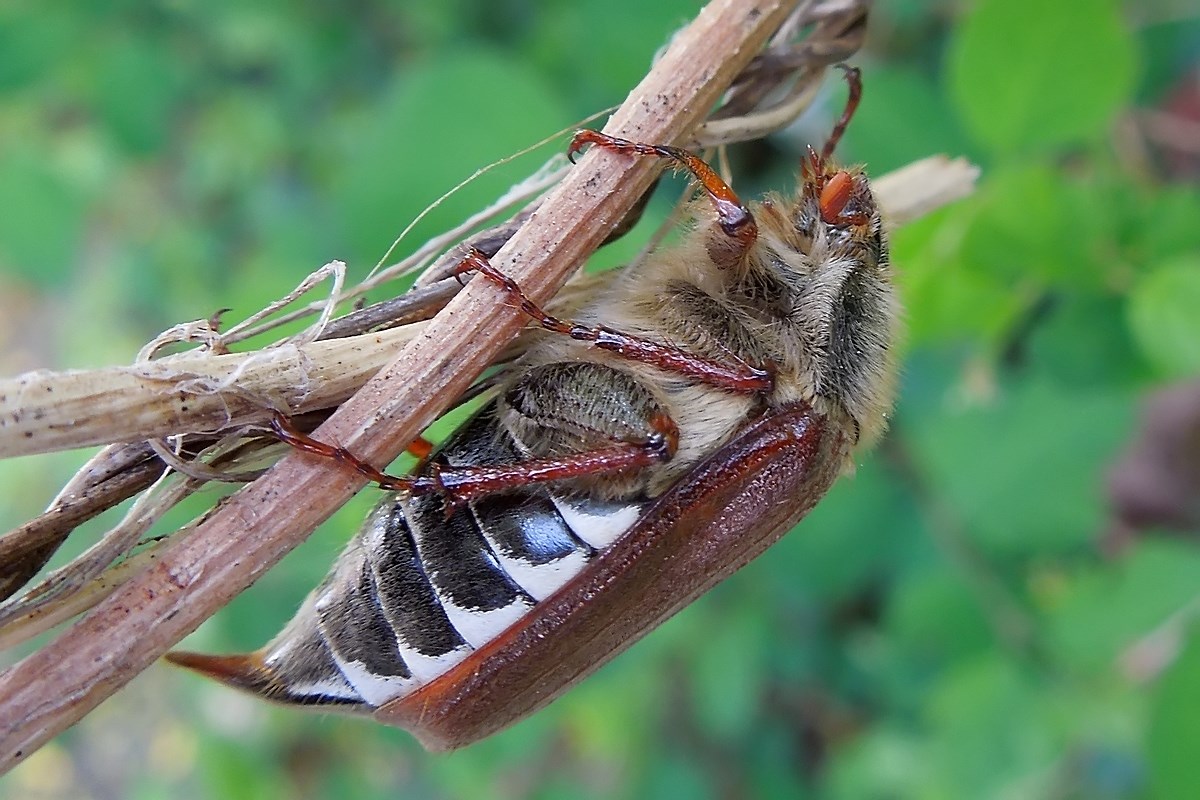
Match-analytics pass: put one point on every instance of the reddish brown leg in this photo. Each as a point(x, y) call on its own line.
point(735, 219)
point(738, 377)
point(854, 79)
point(459, 484)
point(835, 187)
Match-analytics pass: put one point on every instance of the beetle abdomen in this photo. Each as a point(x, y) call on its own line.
point(417, 590)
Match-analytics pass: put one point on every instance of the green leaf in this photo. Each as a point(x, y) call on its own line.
point(883, 762)
point(236, 141)
point(1082, 343)
point(1022, 472)
point(137, 92)
point(42, 222)
point(1166, 225)
point(597, 50)
point(948, 296)
point(727, 674)
point(1164, 315)
point(1030, 73)
point(935, 618)
point(904, 118)
point(421, 142)
point(673, 778)
point(1104, 611)
point(1018, 234)
point(1031, 229)
point(1173, 740)
point(34, 42)
point(989, 721)
point(856, 532)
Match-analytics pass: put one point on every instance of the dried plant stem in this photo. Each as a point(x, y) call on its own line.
point(200, 572)
point(47, 411)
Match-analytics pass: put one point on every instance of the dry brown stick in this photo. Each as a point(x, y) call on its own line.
point(199, 573)
point(24, 550)
point(191, 392)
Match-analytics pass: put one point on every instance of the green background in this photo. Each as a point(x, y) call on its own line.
point(956, 621)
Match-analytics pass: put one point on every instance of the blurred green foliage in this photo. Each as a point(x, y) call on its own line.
point(954, 621)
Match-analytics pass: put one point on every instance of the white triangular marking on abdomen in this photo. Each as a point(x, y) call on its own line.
point(598, 530)
point(542, 580)
point(480, 627)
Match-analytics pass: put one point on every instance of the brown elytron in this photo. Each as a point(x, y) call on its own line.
point(634, 457)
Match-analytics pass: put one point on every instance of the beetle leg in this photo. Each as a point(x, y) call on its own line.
point(736, 375)
point(854, 79)
point(735, 219)
point(460, 484)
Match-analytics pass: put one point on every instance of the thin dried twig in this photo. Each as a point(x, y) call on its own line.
point(111, 477)
point(198, 573)
point(194, 392)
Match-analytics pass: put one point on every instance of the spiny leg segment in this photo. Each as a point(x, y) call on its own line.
point(835, 187)
point(736, 376)
point(734, 218)
point(460, 484)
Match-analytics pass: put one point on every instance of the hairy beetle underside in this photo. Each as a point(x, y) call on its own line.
point(761, 310)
